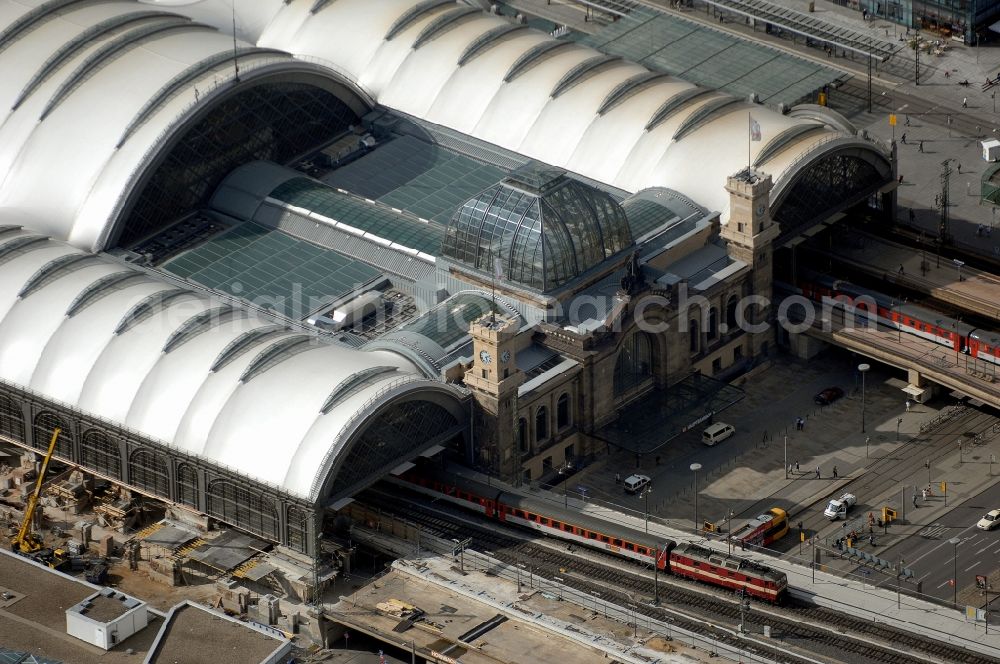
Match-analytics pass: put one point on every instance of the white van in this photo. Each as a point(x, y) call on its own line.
point(716, 433)
point(635, 483)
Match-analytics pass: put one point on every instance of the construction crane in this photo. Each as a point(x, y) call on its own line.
point(26, 542)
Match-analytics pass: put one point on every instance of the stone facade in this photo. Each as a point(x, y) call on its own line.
point(528, 428)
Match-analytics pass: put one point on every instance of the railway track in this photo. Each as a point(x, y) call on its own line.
point(623, 582)
point(934, 444)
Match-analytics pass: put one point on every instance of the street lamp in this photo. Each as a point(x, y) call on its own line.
point(863, 368)
point(645, 495)
point(695, 467)
point(955, 541)
point(786, 456)
point(927, 465)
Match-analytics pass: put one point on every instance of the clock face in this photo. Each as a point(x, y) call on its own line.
point(760, 209)
point(505, 356)
point(485, 357)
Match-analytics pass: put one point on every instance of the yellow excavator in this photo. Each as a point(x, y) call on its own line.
point(26, 542)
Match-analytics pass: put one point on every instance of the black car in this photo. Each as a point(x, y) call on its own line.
point(828, 396)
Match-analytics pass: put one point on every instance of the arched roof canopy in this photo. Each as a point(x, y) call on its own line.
point(834, 176)
point(277, 112)
point(62, 61)
point(613, 121)
point(200, 375)
point(405, 422)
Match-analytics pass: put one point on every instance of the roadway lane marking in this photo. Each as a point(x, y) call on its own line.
point(983, 549)
point(943, 584)
point(973, 566)
point(919, 558)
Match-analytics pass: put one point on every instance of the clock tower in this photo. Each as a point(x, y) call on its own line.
point(749, 235)
point(493, 379)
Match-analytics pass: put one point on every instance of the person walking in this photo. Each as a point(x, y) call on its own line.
point(903, 138)
point(965, 102)
point(818, 474)
point(618, 478)
point(834, 472)
point(796, 466)
point(920, 148)
point(914, 500)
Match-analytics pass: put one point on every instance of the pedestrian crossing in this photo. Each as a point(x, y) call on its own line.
point(933, 531)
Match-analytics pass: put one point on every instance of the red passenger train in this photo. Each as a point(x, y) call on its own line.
point(908, 318)
point(686, 560)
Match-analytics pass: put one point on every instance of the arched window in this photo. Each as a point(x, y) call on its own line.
point(731, 305)
point(694, 335)
point(45, 424)
point(522, 435)
point(298, 528)
point(11, 419)
point(147, 470)
point(187, 485)
point(634, 366)
point(541, 423)
point(239, 506)
point(713, 323)
point(100, 453)
point(562, 411)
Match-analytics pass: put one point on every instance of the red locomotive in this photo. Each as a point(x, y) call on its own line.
point(686, 560)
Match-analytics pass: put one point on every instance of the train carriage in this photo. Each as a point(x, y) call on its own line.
point(556, 521)
point(909, 318)
point(719, 569)
point(985, 345)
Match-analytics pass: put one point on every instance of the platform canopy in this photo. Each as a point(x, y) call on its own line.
point(204, 377)
point(560, 102)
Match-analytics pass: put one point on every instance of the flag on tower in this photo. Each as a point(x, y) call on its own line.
point(754, 129)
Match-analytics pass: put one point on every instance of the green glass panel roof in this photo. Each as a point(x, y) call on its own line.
point(710, 58)
point(449, 321)
point(357, 212)
point(272, 269)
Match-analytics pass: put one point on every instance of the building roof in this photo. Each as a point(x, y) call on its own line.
point(33, 620)
point(558, 102)
point(60, 64)
point(543, 227)
point(196, 373)
point(195, 635)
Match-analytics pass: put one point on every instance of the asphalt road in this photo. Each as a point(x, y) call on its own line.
point(932, 558)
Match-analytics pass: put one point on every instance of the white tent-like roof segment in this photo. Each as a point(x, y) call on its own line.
point(602, 117)
point(92, 92)
point(193, 373)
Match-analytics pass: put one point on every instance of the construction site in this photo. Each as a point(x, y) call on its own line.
point(107, 535)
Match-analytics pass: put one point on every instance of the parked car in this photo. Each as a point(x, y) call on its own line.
point(635, 483)
point(990, 521)
point(828, 396)
point(716, 433)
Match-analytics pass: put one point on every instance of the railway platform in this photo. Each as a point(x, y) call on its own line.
point(815, 585)
point(924, 271)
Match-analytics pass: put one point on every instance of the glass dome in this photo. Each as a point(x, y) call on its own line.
point(545, 227)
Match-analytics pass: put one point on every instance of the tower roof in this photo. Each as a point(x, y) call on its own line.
point(545, 228)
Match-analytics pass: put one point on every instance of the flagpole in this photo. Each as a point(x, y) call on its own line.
point(749, 137)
